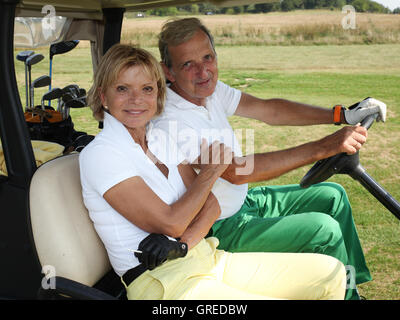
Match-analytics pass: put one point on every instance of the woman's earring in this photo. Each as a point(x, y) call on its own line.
point(105, 107)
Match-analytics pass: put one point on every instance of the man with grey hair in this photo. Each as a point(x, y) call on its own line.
point(267, 218)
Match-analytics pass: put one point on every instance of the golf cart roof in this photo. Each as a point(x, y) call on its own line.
point(92, 9)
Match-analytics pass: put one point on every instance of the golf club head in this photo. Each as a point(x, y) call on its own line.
point(66, 96)
point(59, 48)
point(52, 94)
point(23, 55)
point(34, 59)
point(75, 103)
point(82, 92)
point(42, 81)
point(82, 141)
point(62, 47)
point(73, 89)
point(83, 99)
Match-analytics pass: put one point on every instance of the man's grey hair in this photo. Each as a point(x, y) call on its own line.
point(177, 31)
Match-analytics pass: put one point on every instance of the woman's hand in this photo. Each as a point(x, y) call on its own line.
point(157, 248)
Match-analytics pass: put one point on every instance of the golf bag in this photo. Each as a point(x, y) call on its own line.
point(53, 128)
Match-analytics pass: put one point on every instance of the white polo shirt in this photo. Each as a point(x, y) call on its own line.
point(188, 123)
point(113, 156)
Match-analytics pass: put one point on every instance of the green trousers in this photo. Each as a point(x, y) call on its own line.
point(292, 219)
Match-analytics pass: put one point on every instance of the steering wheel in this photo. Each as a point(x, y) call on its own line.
point(340, 163)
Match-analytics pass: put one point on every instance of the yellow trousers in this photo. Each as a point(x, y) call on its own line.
point(210, 274)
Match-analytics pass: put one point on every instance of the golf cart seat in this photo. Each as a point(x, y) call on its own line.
point(65, 239)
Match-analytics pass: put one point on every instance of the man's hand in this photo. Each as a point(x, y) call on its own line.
point(360, 111)
point(157, 248)
point(216, 157)
point(348, 140)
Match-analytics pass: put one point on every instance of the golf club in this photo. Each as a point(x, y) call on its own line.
point(74, 103)
point(52, 94)
point(82, 95)
point(70, 92)
point(30, 61)
point(73, 89)
point(40, 82)
point(22, 56)
point(82, 92)
point(64, 98)
point(60, 48)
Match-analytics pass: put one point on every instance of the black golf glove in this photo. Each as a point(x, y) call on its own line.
point(157, 248)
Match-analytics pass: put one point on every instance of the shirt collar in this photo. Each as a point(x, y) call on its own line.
point(174, 99)
point(121, 135)
point(118, 131)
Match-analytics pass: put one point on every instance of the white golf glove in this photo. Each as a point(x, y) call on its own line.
point(357, 112)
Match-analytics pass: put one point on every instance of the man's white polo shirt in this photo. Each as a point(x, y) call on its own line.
point(188, 123)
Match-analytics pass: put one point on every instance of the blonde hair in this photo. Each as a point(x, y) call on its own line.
point(177, 31)
point(116, 59)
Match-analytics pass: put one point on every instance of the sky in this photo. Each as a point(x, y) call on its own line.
point(391, 4)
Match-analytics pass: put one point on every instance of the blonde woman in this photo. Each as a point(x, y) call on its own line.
point(141, 200)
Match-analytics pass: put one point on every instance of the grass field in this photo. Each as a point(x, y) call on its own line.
point(315, 74)
point(311, 27)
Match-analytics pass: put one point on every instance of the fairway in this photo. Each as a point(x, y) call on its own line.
point(323, 75)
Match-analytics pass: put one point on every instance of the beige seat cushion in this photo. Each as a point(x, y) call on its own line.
point(64, 235)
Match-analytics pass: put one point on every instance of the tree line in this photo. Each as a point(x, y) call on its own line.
point(282, 5)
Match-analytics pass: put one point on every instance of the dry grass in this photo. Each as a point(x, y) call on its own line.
point(298, 27)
